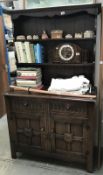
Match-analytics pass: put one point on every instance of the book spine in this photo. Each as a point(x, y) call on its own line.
point(28, 82)
point(27, 73)
point(32, 53)
point(28, 53)
point(17, 52)
point(38, 53)
point(29, 77)
point(25, 55)
point(21, 51)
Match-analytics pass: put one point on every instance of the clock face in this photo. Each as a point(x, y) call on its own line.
point(66, 52)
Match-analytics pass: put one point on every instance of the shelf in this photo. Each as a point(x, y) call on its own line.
point(71, 9)
point(56, 40)
point(54, 64)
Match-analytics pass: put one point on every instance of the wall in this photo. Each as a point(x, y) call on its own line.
point(19, 3)
point(100, 1)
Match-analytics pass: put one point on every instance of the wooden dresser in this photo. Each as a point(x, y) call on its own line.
point(52, 126)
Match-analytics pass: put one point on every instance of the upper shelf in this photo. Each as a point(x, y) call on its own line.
point(63, 39)
point(59, 11)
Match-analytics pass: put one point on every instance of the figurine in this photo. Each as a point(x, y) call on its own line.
point(29, 37)
point(44, 35)
point(68, 36)
point(88, 34)
point(35, 37)
point(56, 34)
point(21, 37)
point(78, 35)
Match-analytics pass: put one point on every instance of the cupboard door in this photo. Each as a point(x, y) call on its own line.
point(67, 137)
point(29, 118)
point(29, 130)
point(69, 130)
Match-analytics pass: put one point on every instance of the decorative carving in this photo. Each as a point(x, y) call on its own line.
point(68, 137)
point(28, 132)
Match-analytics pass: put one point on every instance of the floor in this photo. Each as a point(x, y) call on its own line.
point(24, 166)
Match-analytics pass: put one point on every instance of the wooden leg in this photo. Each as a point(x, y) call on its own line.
point(13, 151)
point(89, 163)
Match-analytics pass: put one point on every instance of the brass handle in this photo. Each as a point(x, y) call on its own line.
point(68, 106)
point(27, 132)
point(52, 130)
point(68, 137)
point(42, 129)
point(26, 104)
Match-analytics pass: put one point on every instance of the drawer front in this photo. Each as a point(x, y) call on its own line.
point(68, 108)
point(27, 105)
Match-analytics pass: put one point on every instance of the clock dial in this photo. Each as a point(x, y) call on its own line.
point(66, 52)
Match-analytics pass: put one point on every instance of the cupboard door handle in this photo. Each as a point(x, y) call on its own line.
point(26, 104)
point(27, 132)
point(42, 129)
point(52, 130)
point(68, 137)
point(68, 106)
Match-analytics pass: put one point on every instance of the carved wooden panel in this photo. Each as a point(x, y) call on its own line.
point(68, 127)
point(68, 137)
point(29, 129)
point(29, 117)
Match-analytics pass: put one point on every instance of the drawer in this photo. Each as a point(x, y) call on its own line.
point(27, 105)
point(68, 108)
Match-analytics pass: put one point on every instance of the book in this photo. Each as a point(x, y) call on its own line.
point(32, 53)
point(38, 50)
point(17, 52)
point(28, 82)
point(39, 86)
point(28, 73)
point(29, 69)
point(26, 61)
point(28, 52)
point(21, 55)
point(33, 82)
point(12, 61)
point(29, 77)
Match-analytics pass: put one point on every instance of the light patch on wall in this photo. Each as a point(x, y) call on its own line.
point(100, 1)
point(48, 3)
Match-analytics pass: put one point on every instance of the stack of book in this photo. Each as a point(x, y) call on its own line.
point(29, 77)
point(29, 53)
